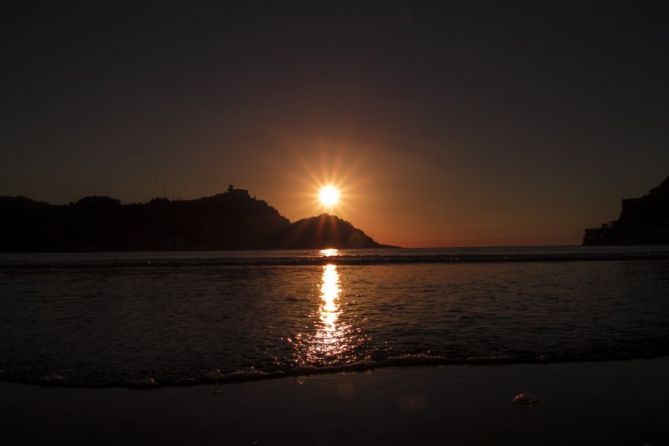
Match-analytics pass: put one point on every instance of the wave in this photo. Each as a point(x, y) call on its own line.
point(215, 376)
point(377, 259)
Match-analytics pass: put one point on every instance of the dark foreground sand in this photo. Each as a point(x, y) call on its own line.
point(620, 402)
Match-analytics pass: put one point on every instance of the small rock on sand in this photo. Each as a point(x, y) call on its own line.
point(525, 398)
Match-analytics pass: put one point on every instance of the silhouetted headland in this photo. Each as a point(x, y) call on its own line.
point(324, 230)
point(231, 220)
point(643, 221)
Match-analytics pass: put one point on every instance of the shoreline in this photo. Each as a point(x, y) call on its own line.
point(253, 375)
point(607, 402)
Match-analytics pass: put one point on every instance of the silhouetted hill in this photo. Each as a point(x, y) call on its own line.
point(643, 220)
point(322, 231)
point(231, 220)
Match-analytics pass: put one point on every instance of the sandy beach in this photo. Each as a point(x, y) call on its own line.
point(617, 402)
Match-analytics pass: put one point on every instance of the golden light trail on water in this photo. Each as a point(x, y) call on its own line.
point(334, 339)
point(328, 342)
point(329, 311)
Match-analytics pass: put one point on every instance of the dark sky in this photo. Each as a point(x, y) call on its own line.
point(450, 123)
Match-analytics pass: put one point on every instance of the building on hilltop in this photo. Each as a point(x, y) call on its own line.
point(233, 190)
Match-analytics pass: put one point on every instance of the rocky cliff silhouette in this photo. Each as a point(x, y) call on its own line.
point(231, 220)
point(318, 232)
point(643, 220)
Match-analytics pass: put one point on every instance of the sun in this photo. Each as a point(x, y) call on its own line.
point(329, 196)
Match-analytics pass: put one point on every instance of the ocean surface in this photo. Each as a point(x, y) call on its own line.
point(180, 318)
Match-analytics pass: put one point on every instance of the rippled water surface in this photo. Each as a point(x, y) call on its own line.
point(188, 321)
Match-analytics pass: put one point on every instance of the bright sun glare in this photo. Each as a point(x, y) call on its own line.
point(328, 195)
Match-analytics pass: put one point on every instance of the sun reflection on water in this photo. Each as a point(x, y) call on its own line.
point(329, 252)
point(329, 310)
point(333, 339)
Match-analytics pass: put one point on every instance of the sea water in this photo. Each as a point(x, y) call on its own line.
point(148, 319)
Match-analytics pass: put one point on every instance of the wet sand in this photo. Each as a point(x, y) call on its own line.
point(617, 402)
